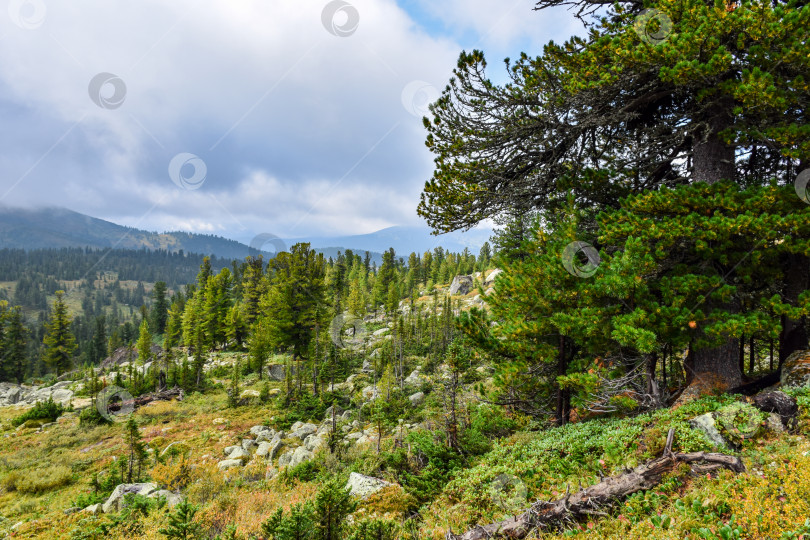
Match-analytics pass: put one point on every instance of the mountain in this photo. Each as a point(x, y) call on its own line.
point(404, 240)
point(59, 227)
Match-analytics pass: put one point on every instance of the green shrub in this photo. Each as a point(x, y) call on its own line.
point(305, 472)
point(91, 416)
point(42, 410)
point(375, 529)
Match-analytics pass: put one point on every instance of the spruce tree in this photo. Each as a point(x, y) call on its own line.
point(59, 341)
point(144, 342)
point(14, 347)
point(160, 308)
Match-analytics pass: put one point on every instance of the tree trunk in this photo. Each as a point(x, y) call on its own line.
point(718, 367)
point(794, 332)
point(562, 367)
point(713, 161)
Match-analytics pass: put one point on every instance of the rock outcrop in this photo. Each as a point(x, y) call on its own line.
point(796, 369)
point(461, 285)
point(363, 486)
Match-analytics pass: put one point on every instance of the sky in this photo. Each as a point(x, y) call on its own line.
point(290, 117)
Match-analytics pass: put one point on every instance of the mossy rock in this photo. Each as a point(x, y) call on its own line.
point(796, 369)
point(739, 422)
point(33, 424)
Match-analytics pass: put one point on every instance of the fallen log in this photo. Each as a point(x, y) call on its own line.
point(140, 401)
point(595, 499)
point(162, 395)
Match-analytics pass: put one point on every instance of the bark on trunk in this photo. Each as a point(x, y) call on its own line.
point(713, 160)
point(593, 500)
point(794, 332)
point(717, 366)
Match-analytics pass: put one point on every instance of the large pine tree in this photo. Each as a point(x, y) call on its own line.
point(59, 341)
point(719, 99)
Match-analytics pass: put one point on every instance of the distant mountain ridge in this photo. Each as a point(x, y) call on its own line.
point(49, 228)
point(59, 227)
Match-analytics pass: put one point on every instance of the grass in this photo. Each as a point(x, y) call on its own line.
point(42, 474)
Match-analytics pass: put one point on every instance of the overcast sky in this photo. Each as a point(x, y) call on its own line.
point(295, 117)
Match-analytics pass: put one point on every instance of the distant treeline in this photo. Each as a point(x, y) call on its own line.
point(175, 269)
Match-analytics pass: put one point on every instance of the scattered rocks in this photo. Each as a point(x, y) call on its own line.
point(113, 502)
point(300, 455)
point(707, 425)
point(363, 486)
point(415, 378)
point(229, 463)
point(490, 279)
point(302, 431)
point(461, 285)
point(239, 453)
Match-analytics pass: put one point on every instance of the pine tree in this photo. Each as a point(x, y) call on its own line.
point(136, 449)
point(333, 504)
point(14, 347)
point(181, 523)
point(294, 303)
point(670, 111)
point(59, 341)
point(160, 308)
point(144, 343)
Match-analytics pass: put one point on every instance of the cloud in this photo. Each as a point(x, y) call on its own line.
point(302, 132)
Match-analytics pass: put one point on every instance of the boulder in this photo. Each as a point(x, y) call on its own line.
point(363, 486)
point(415, 378)
point(239, 453)
point(381, 332)
point(248, 445)
point(228, 449)
point(729, 426)
point(367, 367)
point(461, 285)
point(300, 455)
point(113, 502)
point(285, 458)
point(271, 473)
point(62, 396)
point(247, 396)
point(276, 372)
point(257, 430)
point(416, 399)
point(490, 279)
point(314, 442)
point(94, 509)
point(229, 463)
point(707, 425)
point(263, 449)
point(796, 369)
point(303, 431)
point(370, 393)
point(267, 436)
point(172, 499)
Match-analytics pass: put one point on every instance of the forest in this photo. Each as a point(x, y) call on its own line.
point(628, 356)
